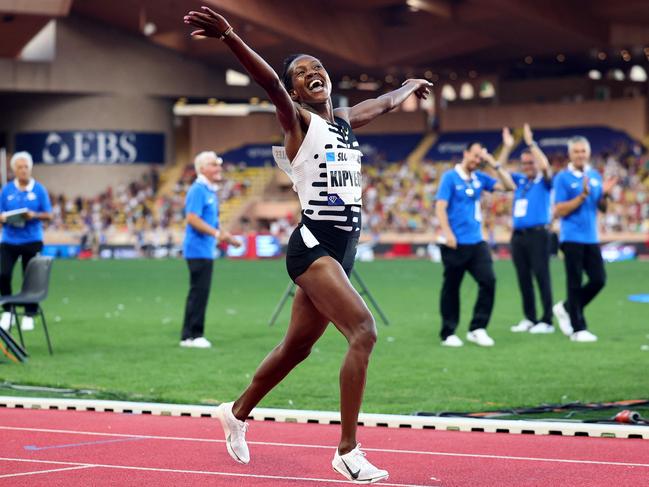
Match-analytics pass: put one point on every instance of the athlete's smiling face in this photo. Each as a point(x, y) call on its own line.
point(311, 83)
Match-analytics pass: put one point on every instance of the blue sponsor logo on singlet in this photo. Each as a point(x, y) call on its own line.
point(331, 157)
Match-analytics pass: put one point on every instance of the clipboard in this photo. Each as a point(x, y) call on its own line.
point(16, 217)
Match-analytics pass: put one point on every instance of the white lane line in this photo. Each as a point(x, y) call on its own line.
point(330, 447)
point(79, 467)
point(204, 472)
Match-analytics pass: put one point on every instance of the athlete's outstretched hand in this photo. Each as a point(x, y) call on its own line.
point(422, 87)
point(209, 23)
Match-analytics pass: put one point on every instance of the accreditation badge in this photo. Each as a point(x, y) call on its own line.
point(520, 208)
point(344, 180)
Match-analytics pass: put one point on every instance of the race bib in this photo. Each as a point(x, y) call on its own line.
point(344, 181)
point(478, 211)
point(520, 208)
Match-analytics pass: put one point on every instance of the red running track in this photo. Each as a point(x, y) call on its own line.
point(71, 448)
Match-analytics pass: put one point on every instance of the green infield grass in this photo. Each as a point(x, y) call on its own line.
point(115, 328)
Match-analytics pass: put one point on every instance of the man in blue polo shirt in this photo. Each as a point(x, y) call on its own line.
point(199, 247)
point(24, 206)
point(579, 193)
point(531, 239)
point(463, 247)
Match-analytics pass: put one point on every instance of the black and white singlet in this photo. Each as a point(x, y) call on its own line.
point(326, 173)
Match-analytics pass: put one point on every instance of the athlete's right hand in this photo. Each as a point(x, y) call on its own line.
point(209, 23)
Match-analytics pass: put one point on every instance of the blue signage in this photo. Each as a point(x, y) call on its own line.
point(93, 147)
point(451, 145)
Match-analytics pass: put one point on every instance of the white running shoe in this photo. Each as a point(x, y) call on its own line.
point(583, 336)
point(235, 433)
point(542, 328)
point(565, 325)
point(523, 326)
point(480, 337)
point(452, 341)
point(27, 323)
point(187, 343)
point(355, 467)
point(5, 320)
point(201, 342)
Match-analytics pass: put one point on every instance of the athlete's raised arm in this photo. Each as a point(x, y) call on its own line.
point(368, 110)
point(211, 24)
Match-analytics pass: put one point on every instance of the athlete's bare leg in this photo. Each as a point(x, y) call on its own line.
point(333, 295)
point(304, 329)
point(324, 294)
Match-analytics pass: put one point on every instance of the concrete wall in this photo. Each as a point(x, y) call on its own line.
point(225, 133)
point(625, 114)
point(45, 112)
point(94, 58)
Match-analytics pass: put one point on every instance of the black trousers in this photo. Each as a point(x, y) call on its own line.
point(200, 280)
point(531, 256)
point(9, 254)
point(476, 259)
point(580, 258)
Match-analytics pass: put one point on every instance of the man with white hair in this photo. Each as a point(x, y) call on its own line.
point(579, 193)
point(24, 205)
point(201, 237)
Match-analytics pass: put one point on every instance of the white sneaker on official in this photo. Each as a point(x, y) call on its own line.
point(235, 433)
point(452, 341)
point(201, 342)
point(565, 325)
point(187, 343)
point(27, 323)
point(542, 328)
point(5, 320)
point(480, 337)
point(583, 336)
point(355, 467)
point(523, 326)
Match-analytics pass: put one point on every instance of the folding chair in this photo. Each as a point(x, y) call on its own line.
point(36, 283)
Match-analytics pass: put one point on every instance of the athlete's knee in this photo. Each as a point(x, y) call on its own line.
point(363, 336)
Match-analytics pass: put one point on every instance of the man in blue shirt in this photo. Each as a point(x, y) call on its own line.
point(463, 247)
point(531, 239)
point(578, 193)
point(199, 247)
point(24, 205)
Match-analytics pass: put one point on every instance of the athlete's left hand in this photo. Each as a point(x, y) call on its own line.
point(422, 87)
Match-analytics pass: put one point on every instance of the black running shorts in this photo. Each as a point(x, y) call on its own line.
point(318, 240)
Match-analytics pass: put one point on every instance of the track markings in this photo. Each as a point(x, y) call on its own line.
point(53, 470)
point(73, 445)
point(329, 447)
point(78, 465)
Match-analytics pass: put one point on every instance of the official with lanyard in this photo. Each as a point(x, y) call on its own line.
point(199, 247)
point(463, 247)
point(579, 193)
point(531, 239)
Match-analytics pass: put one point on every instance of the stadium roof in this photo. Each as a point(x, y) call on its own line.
point(371, 36)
